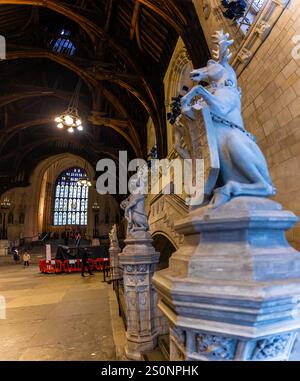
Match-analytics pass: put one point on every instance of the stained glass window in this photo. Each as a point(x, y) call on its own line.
point(71, 200)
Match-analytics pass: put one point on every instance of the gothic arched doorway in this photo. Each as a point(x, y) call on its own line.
point(165, 247)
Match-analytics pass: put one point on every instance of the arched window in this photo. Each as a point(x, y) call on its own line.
point(70, 199)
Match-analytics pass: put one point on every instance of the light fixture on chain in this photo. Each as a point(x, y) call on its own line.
point(70, 118)
point(84, 180)
point(5, 204)
point(95, 206)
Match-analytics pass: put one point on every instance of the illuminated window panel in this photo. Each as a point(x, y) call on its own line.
point(71, 200)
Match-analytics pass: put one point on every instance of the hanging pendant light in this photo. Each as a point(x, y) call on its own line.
point(70, 118)
point(5, 204)
point(84, 180)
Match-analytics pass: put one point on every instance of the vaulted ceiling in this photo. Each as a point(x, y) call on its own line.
point(120, 49)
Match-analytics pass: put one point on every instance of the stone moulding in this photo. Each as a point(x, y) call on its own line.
point(259, 31)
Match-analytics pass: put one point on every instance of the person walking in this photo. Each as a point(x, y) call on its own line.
point(26, 259)
point(85, 263)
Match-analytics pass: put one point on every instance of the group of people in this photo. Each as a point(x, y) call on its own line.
point(26, 257)
point(85, 260)
point(66, 236)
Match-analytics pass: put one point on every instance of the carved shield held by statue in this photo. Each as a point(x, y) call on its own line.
point(201, 142)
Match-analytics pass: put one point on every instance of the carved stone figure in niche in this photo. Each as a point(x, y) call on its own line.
point(206, 9)
point(243, 168)
point(134, 205)
point(113, 236)
point(179, 131)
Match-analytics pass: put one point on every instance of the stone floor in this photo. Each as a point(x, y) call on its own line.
point(54, 317)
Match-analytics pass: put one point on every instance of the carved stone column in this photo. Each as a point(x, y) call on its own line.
point(139, 259)
point(114, 252)
point(232, 290)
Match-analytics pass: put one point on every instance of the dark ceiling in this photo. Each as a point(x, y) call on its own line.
point(119, 48)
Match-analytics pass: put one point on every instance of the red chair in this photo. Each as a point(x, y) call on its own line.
point(99, 264)
point(50, 267)
point(91, 264)
point(42, 265)
point(67, 266)
point(58, 266)
point(77, 267)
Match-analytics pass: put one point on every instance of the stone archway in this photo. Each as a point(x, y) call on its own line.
point(165, 247)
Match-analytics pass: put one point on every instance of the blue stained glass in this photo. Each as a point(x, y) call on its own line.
point(71, 200)
point(64, 218)
point(60, 218)
point(55, 218)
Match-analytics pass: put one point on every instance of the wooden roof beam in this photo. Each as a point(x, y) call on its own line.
point(135, 18)
point(108, 14)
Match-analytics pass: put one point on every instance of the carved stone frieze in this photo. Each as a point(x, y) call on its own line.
point(271, 347)
point(216, 347)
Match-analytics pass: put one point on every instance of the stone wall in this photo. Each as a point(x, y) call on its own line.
point(271, 95)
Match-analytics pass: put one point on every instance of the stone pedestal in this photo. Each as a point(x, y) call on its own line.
point(139, 258)
point(114, 252)
point(232, 290)
point(4, 247)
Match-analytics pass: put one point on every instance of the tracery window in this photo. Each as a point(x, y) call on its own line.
point(257, 3)
point(70, 199)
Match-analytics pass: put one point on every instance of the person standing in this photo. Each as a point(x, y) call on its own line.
point(85, 263)
point(78, 239)
point(26, 259)
point(66, 238)
point(16, 255)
